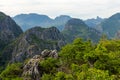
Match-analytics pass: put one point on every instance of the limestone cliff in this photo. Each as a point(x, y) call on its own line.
point(35, 40)
point(32, 69)
point(9, 30)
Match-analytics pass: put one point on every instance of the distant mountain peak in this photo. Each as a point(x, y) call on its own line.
point(27, 21)
point(94, 21)
point(75, 21)
point(2, 13)
point(75, 28)
point(63, 16)
point(98, 17)
point(111, 25)
point(115, 16)
point(2, 16)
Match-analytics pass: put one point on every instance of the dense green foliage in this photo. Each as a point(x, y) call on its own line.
point(12, 72)
point(84, 61)
point(80, 60)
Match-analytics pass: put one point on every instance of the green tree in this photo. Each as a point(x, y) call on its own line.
point(63, 76)
point(47, 77)
point(49, 65)
point(12, 71)
point(94, 74)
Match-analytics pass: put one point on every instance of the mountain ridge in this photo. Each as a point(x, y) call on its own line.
point(75, 28)
point(110, 26)
point(94, 21)
point(33, 19)
point(9, 30)
point(33, 41)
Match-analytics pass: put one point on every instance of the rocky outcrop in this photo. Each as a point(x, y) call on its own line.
point(49, 53)
point(32, 69)
point(35, 40)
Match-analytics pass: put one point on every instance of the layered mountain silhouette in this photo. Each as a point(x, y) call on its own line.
point(21, 46)
point(110, 26)
point(94, 21)
point(17, 46)
point(41, 39)
point(75, 28)
point(27, 21)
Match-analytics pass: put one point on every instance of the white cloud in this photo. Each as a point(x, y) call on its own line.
point(75, 8)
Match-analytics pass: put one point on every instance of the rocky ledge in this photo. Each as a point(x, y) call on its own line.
point(32, 69)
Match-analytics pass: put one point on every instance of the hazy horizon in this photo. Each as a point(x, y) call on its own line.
point(83, 9)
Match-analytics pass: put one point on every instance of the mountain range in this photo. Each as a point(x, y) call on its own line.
point(40, 38)
point(27, 21)
point(42, 34)
point(17, 46)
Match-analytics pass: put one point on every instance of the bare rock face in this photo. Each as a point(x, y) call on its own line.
point(32, 70)
point(35, 40)
point(9, 30)
point(49, 53)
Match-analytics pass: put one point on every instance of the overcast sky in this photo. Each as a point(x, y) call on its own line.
point(76, 8)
